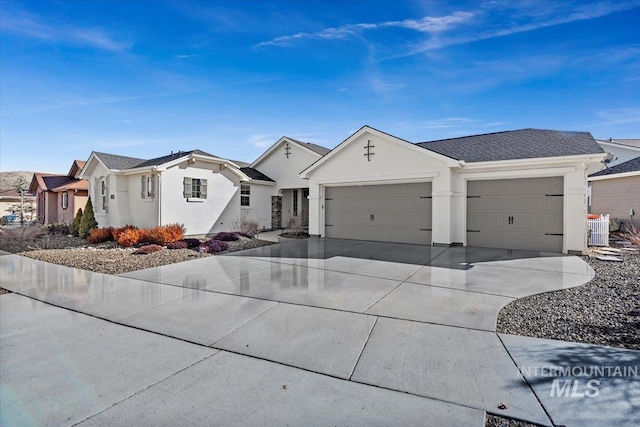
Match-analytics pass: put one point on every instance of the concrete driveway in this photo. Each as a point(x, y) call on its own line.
point(314, 331)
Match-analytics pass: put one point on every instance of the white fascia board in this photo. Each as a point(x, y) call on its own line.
point(385, 179)
point(423, 151)
point(613, 176)
point(258, 182)
point(279, 142)
point(537, 162)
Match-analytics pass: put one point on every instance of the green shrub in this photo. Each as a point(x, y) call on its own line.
point(88, 221)
point(58, 228)
point(74, 228)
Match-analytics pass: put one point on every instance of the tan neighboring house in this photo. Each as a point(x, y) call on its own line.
point(60, 196)
point(616, 191)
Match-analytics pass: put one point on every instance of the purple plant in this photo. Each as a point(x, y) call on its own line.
point(184, 244)
point(226, 236)
point(148, 249)
point(177, 245)
point(191, 243)
point(213, 246)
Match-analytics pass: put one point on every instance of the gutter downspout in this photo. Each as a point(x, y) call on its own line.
point(159, 199)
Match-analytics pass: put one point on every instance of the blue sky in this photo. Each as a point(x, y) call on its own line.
point(142, 78)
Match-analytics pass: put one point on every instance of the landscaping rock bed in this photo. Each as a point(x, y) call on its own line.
point(110, 259)
point(605, 311)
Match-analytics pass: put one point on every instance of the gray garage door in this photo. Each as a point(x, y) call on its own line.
point(515, 213)
point(385, 213)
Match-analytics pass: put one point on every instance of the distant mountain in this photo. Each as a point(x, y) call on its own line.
point(8, 178)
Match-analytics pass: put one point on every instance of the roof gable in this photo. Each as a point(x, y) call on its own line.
point(378, 133)
point(314, 149)
point(516, 144)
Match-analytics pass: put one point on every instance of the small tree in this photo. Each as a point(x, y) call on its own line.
point(20, 185)
point(88, 221)
point(74, 228)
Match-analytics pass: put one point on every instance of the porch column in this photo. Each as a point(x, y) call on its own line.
point(316, 209)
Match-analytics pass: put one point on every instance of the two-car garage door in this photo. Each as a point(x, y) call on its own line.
point(516, 213)
point(522, 213)
point(387, 213)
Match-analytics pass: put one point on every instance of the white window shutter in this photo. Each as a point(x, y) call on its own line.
point(143, 187)
point(203, 188)
point(187, 187)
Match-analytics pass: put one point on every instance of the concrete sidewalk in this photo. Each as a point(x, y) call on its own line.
point(333, 314)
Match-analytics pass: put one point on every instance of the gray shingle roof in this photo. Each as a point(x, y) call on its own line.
point(632, 165)
point(516, 144)
point(255, 174)
point(313, 147)
point(170, 157)
point(113, 161)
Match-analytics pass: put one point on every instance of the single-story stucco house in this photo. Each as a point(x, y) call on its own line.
point(204, 192)
point(59, 196)
point(522, 189)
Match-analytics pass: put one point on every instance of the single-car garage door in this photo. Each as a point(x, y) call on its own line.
point(516, 214)
point(385, 213)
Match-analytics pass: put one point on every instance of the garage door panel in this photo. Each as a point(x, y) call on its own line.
point(401, 212)
point(516, 213)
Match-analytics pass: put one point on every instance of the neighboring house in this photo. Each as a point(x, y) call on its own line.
point(621, 150)
point(283, 162)
point(616, 191)
point(202, 191)
point(522, 189)
point(59, 196)
point(10, 202)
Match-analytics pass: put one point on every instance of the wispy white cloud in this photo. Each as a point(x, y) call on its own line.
point(618, 116)
point(427, 24)
point(31, 26)
point(520, 17)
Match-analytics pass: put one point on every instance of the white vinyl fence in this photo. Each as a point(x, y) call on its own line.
point(599, 227)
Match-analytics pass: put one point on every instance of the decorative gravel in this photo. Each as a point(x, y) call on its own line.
point(110, 259)
point(496, 421)
point(605, 311)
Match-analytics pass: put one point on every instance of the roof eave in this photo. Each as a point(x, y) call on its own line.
point(614, 175)
point(534, 161)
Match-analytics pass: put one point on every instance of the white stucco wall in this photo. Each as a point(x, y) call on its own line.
point(215, 213)
point(260, 205)
point(284, 171)
point(142, 212)
point(94, 172)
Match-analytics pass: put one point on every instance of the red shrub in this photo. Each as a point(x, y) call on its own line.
point(131, 237)
point(165, 234)
point(148, 249)
point(100, 235)
point(116, 232)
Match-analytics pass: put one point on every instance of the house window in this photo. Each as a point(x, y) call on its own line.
point(245, 195)
point(305, 193)
point(103, 195)
point(65, 200)
point(148, 187)
point(295, 202)
point(194, 188)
